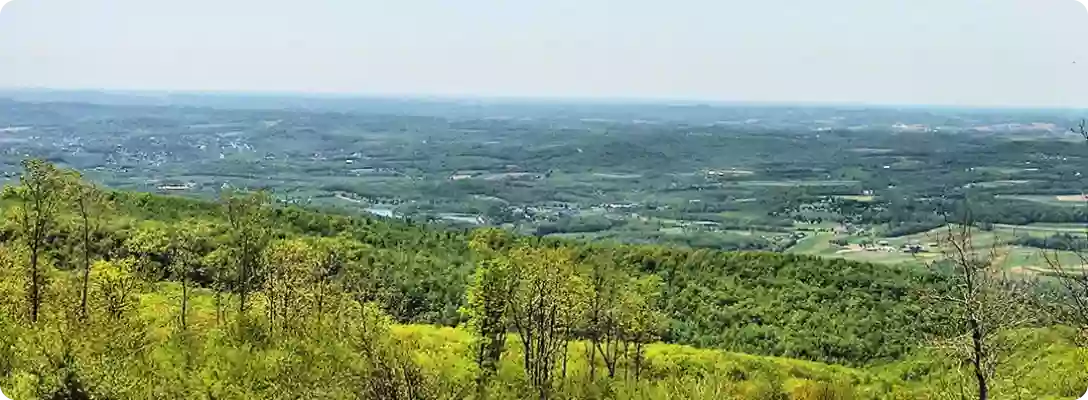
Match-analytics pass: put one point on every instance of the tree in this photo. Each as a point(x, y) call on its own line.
point(180, 246)
point(39, 190)
point(1074, 282)
point(546, 306)
point(249, 234)
point(291, 264)
point(1074, 279)
point(603, 313)
point(188, 242)
point(487, 302)
point(333, 256)
point(91, 206)
point(115, 286)
point(980, 306)
point(642, 321)
point(389, 372)
point(621, 316)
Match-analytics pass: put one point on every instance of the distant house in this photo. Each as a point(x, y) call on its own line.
point(913, 248)
point(620, 206)
point(176, 187)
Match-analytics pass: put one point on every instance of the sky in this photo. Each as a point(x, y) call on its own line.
point(946, 52)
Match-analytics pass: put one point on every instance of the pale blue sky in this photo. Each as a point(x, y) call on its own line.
point(964, 52)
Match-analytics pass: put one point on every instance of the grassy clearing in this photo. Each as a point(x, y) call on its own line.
point(882, 257)
point(980, 238)
point(815, 245)
point(1059, 200)
point(1061, 226)
point(1041, 230)
point(754, 232)
point(614, 176)
point(1031, 260)
point(1001, 170)
point(1001, 183)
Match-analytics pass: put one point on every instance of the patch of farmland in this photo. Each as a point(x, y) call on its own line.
point(795, 183)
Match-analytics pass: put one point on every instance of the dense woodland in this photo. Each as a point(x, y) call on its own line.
point(123, 295)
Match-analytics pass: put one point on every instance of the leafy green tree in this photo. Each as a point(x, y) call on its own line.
point(188, 242)
point(249, 234)
point(115, 286)
point(335, 255)
point(291, 265)
point(603, 313)
point(641, 320)
point(488, 302)
point(40, 193)
point(546, 307)
point(91, 205)
point(388, 371)
point(219, 261)
point(180, 246)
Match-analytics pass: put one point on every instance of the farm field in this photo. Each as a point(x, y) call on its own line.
point(814, 245)
point(788, 183)
point(1018, 259)
point(1060, 200)
point(690, 177)
point(1051, 227)
point(1031, 260)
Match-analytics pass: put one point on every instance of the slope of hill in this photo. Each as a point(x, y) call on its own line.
point(125, 296)
point(763, 303)
point(145, 354)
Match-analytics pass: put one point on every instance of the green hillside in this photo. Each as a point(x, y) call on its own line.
point(120, 295)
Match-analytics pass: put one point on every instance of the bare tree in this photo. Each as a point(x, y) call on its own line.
point(1081, 129)
point(979, 305)
point(1074, 278)
point(1074, 282)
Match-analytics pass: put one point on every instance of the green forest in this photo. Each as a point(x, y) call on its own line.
point(122, 295)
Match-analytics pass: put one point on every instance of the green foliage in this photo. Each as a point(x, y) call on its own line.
point(335, 306)
point(487, 303)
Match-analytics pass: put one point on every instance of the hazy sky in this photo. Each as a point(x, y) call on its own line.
point(969, 52)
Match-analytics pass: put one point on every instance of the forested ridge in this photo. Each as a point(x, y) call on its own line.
point(109, 294)
point(738, 301)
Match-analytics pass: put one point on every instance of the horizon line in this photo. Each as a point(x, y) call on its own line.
point(530, 99)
